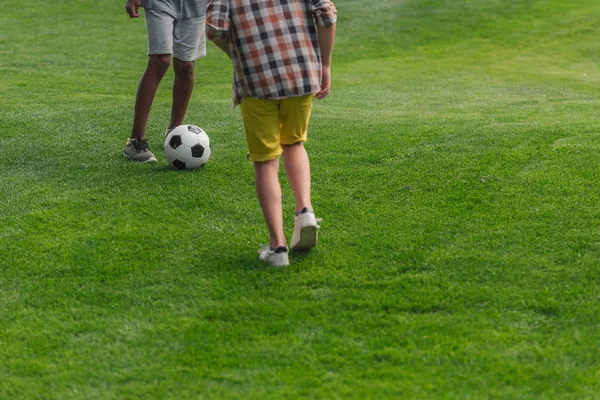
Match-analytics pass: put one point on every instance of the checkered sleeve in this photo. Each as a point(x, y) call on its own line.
point(218, 20)
point(324, 12)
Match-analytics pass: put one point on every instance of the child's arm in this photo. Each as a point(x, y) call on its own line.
point(326, 36)
point(325, 16)
point(218, 23)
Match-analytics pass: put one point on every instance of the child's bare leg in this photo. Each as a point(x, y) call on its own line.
point(182, 90)
point(268, 191)
point(158, 64)
point(297, 168)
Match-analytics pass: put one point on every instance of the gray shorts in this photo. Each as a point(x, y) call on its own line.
point(182, 37)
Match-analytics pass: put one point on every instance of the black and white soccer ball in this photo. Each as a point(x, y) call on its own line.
point(187, 147)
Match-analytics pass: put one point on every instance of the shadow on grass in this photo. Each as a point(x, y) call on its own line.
point(241, 262)
point(161, 169)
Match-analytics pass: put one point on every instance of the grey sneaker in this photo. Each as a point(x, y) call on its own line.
point(305, 230)
point(277, 258)
point(137, 150)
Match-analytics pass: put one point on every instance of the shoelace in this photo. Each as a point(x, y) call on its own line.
point(141, 144)
point(318, 221)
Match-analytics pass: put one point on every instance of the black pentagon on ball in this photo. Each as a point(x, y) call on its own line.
point(175, 141)
point(194, 129)
point(179, 164)
point(197, 151)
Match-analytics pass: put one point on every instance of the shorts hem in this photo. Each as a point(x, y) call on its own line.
point(191, 58)
point(293, 141)
point(262, 157)
point(159, 52)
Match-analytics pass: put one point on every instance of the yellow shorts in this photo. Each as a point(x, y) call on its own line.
point(271, 123)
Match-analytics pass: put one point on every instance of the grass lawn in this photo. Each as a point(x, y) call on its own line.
point(455, 165)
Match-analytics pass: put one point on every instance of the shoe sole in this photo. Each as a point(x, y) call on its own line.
point(279, 264)
point(308, 239)
point(150, 160)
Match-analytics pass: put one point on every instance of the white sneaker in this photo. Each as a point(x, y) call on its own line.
point(277, 258)
point(305, 230)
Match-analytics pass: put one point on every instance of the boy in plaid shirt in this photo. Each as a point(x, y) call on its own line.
point(281, 56)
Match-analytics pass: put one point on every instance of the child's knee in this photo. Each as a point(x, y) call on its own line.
point(184, 69)
point(160, 63)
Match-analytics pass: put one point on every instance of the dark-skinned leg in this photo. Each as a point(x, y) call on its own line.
point(158, 64)
point(182, 90)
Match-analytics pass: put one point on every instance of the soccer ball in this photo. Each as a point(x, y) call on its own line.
point(187, 147)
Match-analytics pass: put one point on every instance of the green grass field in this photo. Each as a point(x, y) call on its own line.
point(455, 165)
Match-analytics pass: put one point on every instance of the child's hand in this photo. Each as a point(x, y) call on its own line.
point(132, 8)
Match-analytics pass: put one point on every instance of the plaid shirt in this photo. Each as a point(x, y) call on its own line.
point(273, 44)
